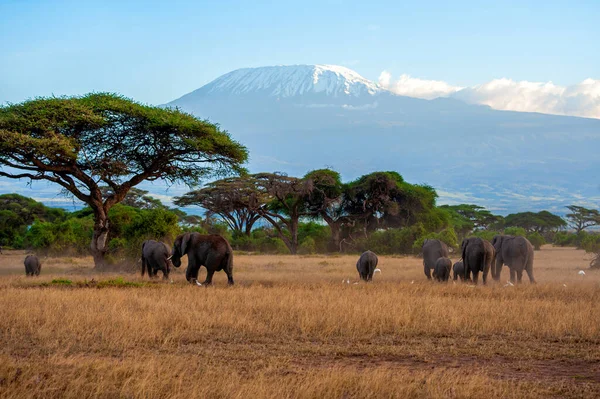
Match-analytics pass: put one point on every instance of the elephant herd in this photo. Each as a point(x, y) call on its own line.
point(480, 256)
point(215, 253)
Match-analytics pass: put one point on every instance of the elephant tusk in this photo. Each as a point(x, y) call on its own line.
point(169, 258)
point(377, 271)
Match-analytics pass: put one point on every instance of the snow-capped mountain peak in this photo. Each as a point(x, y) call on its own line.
point(293, 80)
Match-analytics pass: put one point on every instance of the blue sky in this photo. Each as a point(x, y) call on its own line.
point(157, 51)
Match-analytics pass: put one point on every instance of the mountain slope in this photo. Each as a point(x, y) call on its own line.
point(298, 118)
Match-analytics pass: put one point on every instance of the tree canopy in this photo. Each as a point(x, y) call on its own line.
point(581, 218)
point(540, 222)
point(101, 139)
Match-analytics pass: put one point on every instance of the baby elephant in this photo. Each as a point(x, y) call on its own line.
point(459, 270)
point(366, 265)
point(441, 271)
point(33, 267)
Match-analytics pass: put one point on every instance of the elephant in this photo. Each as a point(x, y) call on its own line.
point(432, 251)
point(459, 270)
point(441, 271)
point(478, 256)
point(33, 267)
point(211, 251)
point(366, 265)
point(156, 256)
point(516, 253)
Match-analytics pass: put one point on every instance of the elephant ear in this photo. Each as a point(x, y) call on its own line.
point(185, 241)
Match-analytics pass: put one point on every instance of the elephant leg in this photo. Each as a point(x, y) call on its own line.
point(529, 271)
point(427, 271)
point(370, 276)
point(191, 273)
point(484, 276)
point(165, 275)
point(209, 276)
point(229, 277)
point(519, 275)
point(512, 275)
point(475, 276)
point(497, 271)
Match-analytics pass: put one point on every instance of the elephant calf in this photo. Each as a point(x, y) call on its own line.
point(441, 271)
point(33, 267)
point(459, 270)
point(156, 256)
point(366, 265)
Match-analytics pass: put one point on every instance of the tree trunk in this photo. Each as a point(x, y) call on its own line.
point(335, 236)
point(294, 235)
point(98, 245)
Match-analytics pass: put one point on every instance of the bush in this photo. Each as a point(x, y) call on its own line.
point(486, 234)
point(537, 240)
point(391, 241)
point(515, 231)
point(307, 246)
point(591, 243)
point(447, 236)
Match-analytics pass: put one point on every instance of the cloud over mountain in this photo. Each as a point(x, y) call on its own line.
point(415, 87)
point(582, 99)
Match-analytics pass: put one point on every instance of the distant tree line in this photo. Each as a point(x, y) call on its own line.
point(275, 213)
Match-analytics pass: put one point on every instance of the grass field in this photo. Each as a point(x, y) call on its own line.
point(291, 328)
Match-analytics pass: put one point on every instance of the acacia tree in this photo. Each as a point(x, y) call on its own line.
point(467, 218)
point(286, 203)
point(581, 218)
point(236, 200)
point(327, 201)
point(539, 222)
point(100, 139)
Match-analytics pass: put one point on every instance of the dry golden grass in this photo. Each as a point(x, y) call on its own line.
point(291, 328)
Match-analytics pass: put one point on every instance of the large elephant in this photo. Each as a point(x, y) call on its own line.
point(516, 253)
point(433, 250)
point(211, 251)
point(156, 256)
point(459, 270)
point(33, 267)
point(478, 256)
point(441, 271)
point(366, 265)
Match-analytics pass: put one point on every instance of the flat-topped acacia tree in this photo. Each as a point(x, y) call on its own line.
point(86, 143)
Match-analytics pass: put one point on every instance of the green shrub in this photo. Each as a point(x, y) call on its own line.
point(515, 231)
point(307, 246)
point(591, 242)
point(537, 240)
point(447, 236)
point(486, 234)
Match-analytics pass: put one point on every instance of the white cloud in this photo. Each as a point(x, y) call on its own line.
point(415, 87)
point(582, 99)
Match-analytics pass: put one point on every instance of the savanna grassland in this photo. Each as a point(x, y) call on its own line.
point(291, 328)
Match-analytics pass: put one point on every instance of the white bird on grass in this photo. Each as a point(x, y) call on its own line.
point(581, 273)
point(509, 284)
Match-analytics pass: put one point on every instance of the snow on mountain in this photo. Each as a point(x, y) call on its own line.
point(293, 80)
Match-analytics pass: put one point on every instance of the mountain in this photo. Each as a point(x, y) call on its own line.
point(297, 118)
